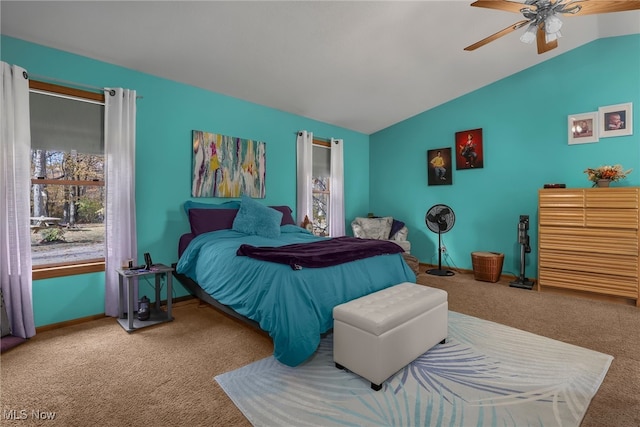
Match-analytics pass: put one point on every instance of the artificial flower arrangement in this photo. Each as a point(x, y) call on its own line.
point(613, 173)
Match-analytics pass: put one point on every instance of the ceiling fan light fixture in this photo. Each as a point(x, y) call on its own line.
point(544, 17)
point(553, 36)
point(530, 35)
point(552, 24)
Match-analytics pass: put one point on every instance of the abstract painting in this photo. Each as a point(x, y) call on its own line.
point(228, 166)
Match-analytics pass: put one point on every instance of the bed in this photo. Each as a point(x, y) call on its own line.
point(292, 303)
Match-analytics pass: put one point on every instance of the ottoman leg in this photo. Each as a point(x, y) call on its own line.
point(339, 366)
point(443, 341)
point(376, 387)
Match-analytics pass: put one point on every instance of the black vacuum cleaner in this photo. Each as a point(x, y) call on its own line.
point(523, 239)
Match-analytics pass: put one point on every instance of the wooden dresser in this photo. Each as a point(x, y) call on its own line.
point(588, 240)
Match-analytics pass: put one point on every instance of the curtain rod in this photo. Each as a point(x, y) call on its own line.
point(316, 137)
point(66, 82)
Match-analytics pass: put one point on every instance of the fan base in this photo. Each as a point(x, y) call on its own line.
point(438, 272)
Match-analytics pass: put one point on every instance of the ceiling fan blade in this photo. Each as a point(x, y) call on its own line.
point(506, 5)
point(592, 7)
point(541, 39)
point(498, 34)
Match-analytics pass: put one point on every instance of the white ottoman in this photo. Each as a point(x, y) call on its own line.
point(378, 334)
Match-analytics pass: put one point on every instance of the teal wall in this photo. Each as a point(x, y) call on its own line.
point(166, 115)
point(524, 123)
point(65, 298)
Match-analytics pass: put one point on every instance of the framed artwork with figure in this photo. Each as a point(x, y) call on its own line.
point(583, 128)
point(469, 153)
point(616, 120)
point(439, 167)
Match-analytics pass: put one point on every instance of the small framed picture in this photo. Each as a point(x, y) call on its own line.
point(439, 167)
point(616, 120)
point(469, 153)
point(583, 128)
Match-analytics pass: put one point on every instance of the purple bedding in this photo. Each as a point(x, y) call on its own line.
point(323, 253)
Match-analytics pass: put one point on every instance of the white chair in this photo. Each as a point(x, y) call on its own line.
point(381, 229)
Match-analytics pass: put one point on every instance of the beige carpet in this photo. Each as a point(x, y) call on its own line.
point(97, 374)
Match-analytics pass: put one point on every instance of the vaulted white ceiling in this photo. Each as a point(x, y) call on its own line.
point(355, 64)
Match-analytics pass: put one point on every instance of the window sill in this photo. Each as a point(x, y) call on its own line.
point(61, 270)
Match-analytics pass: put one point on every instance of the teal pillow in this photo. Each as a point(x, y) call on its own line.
point(190, 204)
point(255, 218)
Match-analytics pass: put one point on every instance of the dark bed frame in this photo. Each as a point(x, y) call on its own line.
point(195, 290)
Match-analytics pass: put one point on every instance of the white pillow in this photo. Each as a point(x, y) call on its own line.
point(377, 228)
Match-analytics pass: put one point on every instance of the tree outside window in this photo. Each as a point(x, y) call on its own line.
point(67, 185)
point(320, 195)
point(67, 208)
point(321, 176)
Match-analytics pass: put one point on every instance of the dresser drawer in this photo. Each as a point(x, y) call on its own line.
point(612, 198)
point(561, 198)
point(600, 283)
point(611, 218)
point(594, 241)
point(561, 217)
point(612, 265)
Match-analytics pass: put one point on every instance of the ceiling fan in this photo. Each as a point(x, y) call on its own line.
point(543, 17)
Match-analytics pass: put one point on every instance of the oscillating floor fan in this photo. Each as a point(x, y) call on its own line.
point(440, 219)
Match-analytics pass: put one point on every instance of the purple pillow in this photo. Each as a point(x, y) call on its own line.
point(203, 220)
point(287, 218)
point(206, 220)
point(395, 227)
point(190, 204)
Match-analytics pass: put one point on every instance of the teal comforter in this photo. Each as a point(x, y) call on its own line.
point(294, 306)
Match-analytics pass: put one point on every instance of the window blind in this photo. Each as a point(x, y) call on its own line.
point(321, 161)
point(65, 124)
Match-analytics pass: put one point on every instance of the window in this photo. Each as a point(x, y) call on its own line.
point(67, 191)
point(321, 190)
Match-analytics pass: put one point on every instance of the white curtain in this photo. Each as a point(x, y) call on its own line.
point(336, 197)
point(15, 187)
point(304, 201)
point(120, 224)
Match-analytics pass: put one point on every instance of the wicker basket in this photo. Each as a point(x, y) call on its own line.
point(487, 266)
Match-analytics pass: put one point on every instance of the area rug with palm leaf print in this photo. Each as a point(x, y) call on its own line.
point(486, 374)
